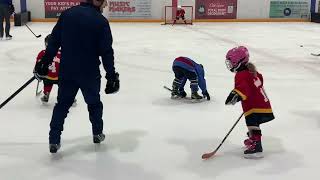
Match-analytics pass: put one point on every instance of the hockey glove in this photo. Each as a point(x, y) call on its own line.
point(41, 69)
point(206, 95)
point(113, 83)
point(233, 98)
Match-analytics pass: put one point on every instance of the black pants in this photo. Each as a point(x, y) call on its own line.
point(66, 94)
point(255, 119)
point(4, 16)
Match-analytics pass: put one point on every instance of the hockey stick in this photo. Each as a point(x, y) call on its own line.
point(37, 36)
point(313, 54)
point(18, 91)
point(38, 92)
point(167, 88)
point(209, 155)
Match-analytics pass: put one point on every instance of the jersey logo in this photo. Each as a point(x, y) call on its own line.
point(257, 82)
point(52, 68)
point(56, 59)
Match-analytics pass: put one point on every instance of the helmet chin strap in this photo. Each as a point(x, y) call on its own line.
point(234, 69)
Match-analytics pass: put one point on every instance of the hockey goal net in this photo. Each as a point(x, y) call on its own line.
point(170, 15)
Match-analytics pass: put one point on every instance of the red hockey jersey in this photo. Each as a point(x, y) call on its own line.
point(180, 13)
point(53, 68)
point(250, 87)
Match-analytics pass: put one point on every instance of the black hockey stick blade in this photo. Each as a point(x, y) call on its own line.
point(313, 54)
point(37, 36)
point(167, 88)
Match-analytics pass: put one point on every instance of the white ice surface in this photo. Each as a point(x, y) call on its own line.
point(150, 136)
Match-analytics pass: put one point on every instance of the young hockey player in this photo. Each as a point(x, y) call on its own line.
point(185, 68)
point(180, 14)
point(249, 90)
point(52, 77)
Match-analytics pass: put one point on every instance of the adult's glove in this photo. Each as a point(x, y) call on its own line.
point(113, 83)
point(233, 98)
point(206, 95)
point(41, 69)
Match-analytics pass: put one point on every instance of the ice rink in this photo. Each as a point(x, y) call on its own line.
point(150, 136)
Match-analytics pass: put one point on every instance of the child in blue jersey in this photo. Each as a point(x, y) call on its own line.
point(185, 68)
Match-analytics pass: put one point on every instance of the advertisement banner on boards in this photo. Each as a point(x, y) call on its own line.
point(129, 8)
point(216, 9)
point(289, 9)
point(53, 8)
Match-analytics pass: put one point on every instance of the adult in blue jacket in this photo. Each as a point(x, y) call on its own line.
point(6, 9)
point(84, 35)
point(185, 68)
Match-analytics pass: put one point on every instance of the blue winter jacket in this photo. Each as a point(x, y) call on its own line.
point(192, 66)
point(6, 2)
point(84, 35)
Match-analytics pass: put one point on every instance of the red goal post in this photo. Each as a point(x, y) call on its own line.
point(170, 15)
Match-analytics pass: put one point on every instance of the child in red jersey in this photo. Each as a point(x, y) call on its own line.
point(52, 77)
point(249, 90)
point(180, 14)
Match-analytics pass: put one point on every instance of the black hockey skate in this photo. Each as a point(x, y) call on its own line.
point(196, 96)
point(254, 151)
point(182, 94)
point(97, 139)
point(45, 98)
point(9, 37)
point(175, 93)
point(54, 147)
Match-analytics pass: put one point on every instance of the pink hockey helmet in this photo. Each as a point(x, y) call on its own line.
point(236, 57)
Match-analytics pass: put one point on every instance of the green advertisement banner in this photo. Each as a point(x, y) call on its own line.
point(289, 9)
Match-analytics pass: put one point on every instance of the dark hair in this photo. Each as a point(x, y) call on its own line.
point(252, 68)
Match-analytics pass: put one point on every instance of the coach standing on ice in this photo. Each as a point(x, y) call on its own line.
point(6, 9)
point(84, 35)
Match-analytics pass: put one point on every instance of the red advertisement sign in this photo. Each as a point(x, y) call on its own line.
point(53, 8)
point(216, 9)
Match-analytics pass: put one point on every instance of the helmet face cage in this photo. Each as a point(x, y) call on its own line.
point(233, 68)
point(229, 64)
